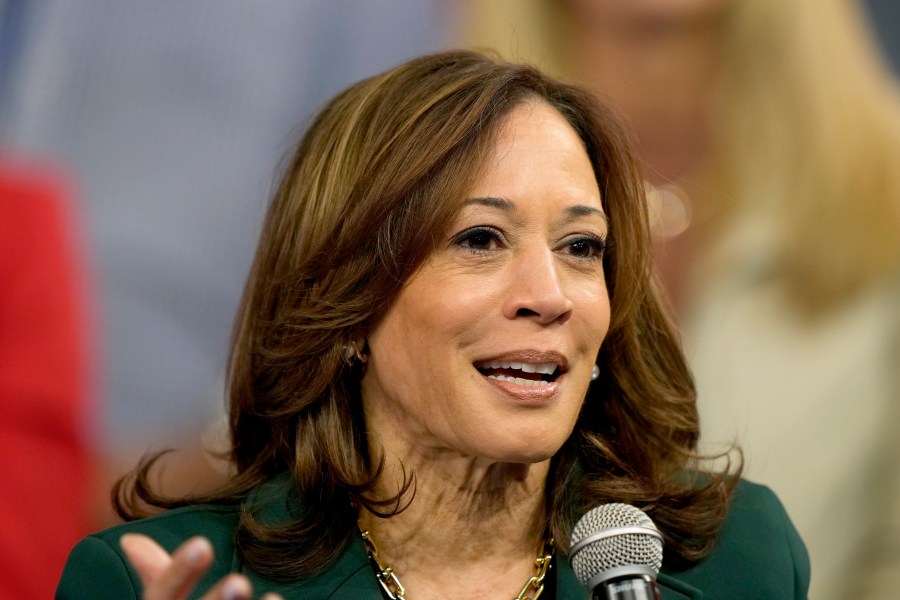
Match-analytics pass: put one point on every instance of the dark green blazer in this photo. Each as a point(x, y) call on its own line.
point(758, 555)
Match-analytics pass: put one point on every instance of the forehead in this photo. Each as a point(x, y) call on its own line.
point(535, 117)
point(536, 151)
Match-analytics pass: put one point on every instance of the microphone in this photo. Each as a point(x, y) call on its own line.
point(616, 552)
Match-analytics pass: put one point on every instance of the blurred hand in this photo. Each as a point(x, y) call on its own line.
point(172, 577)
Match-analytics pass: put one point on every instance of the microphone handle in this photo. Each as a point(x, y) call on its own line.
point(630, 587)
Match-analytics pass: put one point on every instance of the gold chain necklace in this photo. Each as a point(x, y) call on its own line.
point(394, 590)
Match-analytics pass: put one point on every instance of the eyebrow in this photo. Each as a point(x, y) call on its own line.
point(489, 201)
point(579, 210)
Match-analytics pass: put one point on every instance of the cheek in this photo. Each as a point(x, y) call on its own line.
point(433, 314)
point(464, 311)
point(592, 303)
point(397, 371)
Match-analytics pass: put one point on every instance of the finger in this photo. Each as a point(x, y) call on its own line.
point(272, 596)
point(189, 562)
point(146, 556)
point(230, 587)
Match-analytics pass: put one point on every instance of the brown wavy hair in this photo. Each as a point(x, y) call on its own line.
point(376, 178)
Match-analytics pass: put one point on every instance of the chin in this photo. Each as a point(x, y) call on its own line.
point(534, 450)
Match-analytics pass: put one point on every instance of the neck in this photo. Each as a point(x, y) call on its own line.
point(474, 527)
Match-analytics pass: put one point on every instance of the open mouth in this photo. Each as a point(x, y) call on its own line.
point(520, 373)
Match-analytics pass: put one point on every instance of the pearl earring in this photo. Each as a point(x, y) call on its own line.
point(352, 351)
point(595, 373)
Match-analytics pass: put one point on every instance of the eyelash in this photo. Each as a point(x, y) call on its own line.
point(596, 244)
point(465, 238)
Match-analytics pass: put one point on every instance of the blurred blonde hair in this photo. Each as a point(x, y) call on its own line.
point(809, 130)
point(805, 127)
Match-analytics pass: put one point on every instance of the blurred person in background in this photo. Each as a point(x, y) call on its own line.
point(769, 133)
point(170, 115)
point(45, 363)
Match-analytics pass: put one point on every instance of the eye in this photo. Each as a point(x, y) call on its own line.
point(587, 246)
point(479, 239)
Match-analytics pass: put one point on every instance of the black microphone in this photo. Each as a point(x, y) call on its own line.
point(616, 553)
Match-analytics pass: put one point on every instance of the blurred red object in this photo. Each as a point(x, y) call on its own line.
point(44, 367)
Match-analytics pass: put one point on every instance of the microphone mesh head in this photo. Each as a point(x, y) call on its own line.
point(621, 550)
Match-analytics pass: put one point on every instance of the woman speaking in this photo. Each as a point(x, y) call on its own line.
point(450, 347)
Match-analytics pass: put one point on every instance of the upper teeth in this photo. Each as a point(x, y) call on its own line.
point(542, 368)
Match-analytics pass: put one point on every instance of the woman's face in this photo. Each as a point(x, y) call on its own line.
point(488, 349)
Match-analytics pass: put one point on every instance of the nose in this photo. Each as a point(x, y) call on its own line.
point(536, 290)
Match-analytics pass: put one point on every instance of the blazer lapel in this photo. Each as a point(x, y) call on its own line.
point(675, 589)
point(350, 578)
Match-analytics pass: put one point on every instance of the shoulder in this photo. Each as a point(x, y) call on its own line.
point(758, 553)
point(97, 568)
point(216, 522)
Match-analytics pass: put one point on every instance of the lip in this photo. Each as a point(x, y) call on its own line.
point(529, 356)
point(528, 394)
